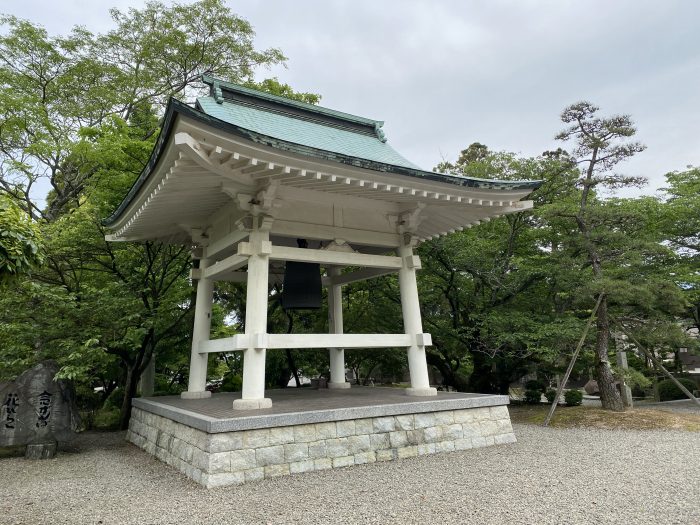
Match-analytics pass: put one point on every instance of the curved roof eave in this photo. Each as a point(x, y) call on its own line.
point(176, 107)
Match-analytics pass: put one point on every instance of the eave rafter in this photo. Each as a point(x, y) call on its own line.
point(219, 166)
point(253, 171)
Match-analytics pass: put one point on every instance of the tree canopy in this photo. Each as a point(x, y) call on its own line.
point(19, 241)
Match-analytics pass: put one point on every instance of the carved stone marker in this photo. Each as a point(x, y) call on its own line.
point(37, 411)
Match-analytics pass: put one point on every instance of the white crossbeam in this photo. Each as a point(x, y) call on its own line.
point(218, 246)
point(242, 277)
point(337, 340)
point(225, 344)
point(359, 275)
point(324, 232)
point(229, 264)
point(300, 341)
point(283, 253)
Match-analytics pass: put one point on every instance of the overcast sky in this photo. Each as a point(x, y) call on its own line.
point(444, 74)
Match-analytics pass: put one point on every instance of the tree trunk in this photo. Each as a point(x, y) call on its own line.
point(290, 358)
point(356, 370)
point(482, 381)
point(609, 396)
point(130, 387)
point(293, 367)
point(283, 377)
point(449, 377)
point(365, 382)
point(493, 375)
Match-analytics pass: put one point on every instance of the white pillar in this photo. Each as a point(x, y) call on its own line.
point(413, 326)
point(253, 394)
point(196, 387)
point(335, 325)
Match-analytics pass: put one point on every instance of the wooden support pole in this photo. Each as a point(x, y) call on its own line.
point(625, 390)
point(658, 363)
point(562, 384)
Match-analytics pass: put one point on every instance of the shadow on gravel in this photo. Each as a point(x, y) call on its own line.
point(91, 441)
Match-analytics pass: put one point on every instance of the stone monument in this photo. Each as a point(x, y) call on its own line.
point(37, 411)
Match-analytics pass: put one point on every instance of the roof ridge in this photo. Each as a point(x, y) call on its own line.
point(305, 116)
point(218, 85)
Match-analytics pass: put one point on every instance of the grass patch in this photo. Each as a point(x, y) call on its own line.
point(106, 419)
point(590, 417)
point(12, 452)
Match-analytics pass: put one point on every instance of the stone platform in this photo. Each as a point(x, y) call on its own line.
point(308, 430)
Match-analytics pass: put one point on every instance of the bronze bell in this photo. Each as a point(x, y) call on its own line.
point(301, 289)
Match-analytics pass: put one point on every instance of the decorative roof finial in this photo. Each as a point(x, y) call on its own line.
point(379, 131)
point(216, 92)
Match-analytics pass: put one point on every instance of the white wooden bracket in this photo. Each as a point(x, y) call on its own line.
point(259, 341)
point(412, 261)
point(247, 249)
point(424, 340)
point(199, 236)
point(409, 221)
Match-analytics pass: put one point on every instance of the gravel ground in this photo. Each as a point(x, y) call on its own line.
point(557, 476)
point(684, 405)
point(681, 405)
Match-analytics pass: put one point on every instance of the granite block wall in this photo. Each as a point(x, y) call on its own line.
point(233, 458)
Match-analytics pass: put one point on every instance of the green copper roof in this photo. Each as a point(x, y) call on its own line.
point(300, 123)
point(221, 89)
point(302, 129)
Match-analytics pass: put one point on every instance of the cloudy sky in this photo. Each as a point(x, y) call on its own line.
point(444, 74)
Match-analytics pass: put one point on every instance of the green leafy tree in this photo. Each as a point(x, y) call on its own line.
point(600, 144)
point(19, 241)
point(681, 228)
point(374, 306)
point(55, 86)
point(121, 301)
point(81, 113)
point(275, 87)
point(492, 295)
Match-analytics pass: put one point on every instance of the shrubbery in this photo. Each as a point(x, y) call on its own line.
point(532, 397)
point(573, 398)
point(165, 387)
point(232, 383)
point(106, 419)
point(535, 384)
point(534, 389)
point(115, 399)
point(668, 391)
point(550, 395)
